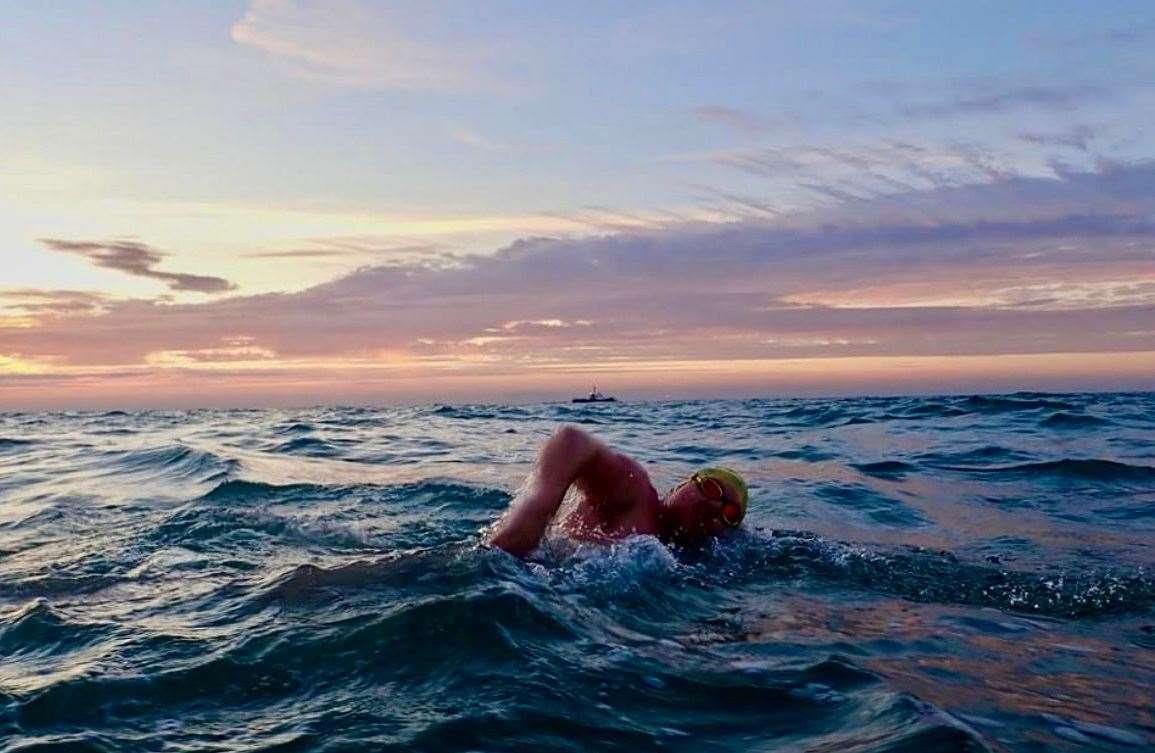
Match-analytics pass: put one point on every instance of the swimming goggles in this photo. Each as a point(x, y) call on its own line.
point(712, 489)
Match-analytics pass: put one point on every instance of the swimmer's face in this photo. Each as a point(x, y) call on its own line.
point(694, 513)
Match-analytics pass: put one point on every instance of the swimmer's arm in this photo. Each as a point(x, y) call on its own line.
point(559, 464)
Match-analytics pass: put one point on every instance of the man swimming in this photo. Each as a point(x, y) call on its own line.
point(616, 498)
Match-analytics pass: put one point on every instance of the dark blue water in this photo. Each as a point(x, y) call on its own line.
point(916, 574)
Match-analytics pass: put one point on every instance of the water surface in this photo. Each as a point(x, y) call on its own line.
point(916, 574)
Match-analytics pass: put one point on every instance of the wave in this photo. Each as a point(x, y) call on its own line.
point(887, 469)
point(986, 454)
point(308, 446)
point(415, 572)
point(260, 518)
point(1067, 420)
point(927, 576)
point(253, 532)
point(48, 586)
point(91, 700)
point(295, 428)
point(914, 573)
point(1131, 510)
point(736, 708)
point(9, 443)
point(953, 407)
point(924, 410)
point(697, 453)
point(425, 643)
point(38, 630)
point(243, 490)
point(1013, 403)
point(508, 652)
point(500, 658)
point(464, 412)
point(175, 461)
point(809, 453)
point(871, 504)
point(428, 495)
point(1089, 469)
point(816, 416)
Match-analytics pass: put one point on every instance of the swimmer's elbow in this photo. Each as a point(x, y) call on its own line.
point(570, 439)
point(566, 452)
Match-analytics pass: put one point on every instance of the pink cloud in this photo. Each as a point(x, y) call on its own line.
point(1021, 266)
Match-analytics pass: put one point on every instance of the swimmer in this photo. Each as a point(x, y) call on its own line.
point(616, 498)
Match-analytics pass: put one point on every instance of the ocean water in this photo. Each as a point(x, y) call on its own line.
point(916, 574)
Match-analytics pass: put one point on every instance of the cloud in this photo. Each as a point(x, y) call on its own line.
point(352, 246)
point(984, 99)
point(1024, 265)
point(1119, 36)
point(731, 117)
point(1076, 137)
point(472, 138)
point(537, 324)
point(304, 253)
point(741, 205)
point(607, 220)
point(803, 176)
point(354, 44)
point(137, 259)
point(232, 350)
point(34, 300)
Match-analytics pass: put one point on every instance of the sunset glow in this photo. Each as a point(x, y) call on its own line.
point(290, 202)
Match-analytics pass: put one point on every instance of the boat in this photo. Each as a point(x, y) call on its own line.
point(595, 397)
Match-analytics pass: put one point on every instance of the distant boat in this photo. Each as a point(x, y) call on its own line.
point(595, 397)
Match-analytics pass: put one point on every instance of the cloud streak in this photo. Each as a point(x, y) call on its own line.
point(735, 118)
point(1119, 36)
point(1077, 137)
point(137, 259)
point(348, 43)
point(33, 300)
point(1054, 98)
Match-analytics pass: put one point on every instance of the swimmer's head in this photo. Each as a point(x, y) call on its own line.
point(708, 503)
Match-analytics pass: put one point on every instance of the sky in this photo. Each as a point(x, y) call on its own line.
point(294, 202)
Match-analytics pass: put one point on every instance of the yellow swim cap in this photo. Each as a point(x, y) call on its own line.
point(729, 476)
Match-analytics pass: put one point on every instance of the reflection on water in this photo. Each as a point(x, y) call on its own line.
point(989, 668)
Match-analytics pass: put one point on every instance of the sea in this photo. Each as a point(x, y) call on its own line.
point(916, 574)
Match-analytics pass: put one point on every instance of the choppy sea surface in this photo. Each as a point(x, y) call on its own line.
point(916, 574)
